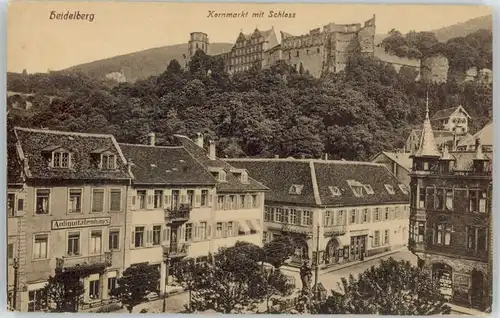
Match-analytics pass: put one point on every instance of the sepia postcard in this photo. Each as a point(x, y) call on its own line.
point(249, 158)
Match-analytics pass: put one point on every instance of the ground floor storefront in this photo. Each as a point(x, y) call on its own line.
point(463, 282)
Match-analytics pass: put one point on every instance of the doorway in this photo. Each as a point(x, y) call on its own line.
point(358, 248)
point(477, 290)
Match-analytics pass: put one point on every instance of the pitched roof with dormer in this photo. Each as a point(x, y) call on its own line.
point(34, 148)
point(233, 182)
point(315, 182)
point(165, 165)
point(447, 112)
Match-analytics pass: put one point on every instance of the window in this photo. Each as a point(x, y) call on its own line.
point(390, 189)
point(94, 289)
point(61, 160)
point(335, 191)
point(443, 234)
point(10, 251)
point(156, 234)
point(139, 236)
point(356, 187)
point(97, 200)
point(141, 196)
point(158, 199)
point(220, 202)
point(108, 162)
point(254, 201)
point(449, 199)
point(190, 197)
point(376, 238)
point(188, 233)
point(439, 199)
point(74, 244)
point(403, 188)
point(278, 215)
point(219, 229)
point(386, 237)
point(296, 189)
point(11, 199)
point(386, 214)
point(95, 242)
point(353, 216)
point(267, 214)
point(35, 300)
point(244, 177)
point(482, 201)
point(307, 217)
point(328, 218)
point(42, 201)
point(112, 283)
point(175, 199)
point(115, 200)
point(340, 217)
point(75, 201)
point(40, 248)
point(368, 188)
point(365, 215)
point(232, 202)
point(114, 240)
point(476, 238)
point(222, 176)
point(202, 230)
point(229, 228)
point(286, 215)
point(421, 200)
point(204, 197)
point(294, 216)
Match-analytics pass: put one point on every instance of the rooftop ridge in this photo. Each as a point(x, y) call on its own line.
point(306, 161)
point(143, 145)
point(61, 132)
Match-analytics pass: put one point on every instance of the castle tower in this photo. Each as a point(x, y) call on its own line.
point(197, 41)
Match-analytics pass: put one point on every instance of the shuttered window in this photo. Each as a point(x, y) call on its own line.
point(97, 200)
point(115, 198)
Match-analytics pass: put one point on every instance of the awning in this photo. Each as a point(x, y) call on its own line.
point(243, 227)
point(344, 240)
point(36, 286)
point(254, 225)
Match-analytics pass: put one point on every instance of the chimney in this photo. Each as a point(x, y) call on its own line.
point(199, 139)
point(152, 139)
point(211, 150)
point(326, 156)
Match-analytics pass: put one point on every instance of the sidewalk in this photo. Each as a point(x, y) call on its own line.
point(467, 311)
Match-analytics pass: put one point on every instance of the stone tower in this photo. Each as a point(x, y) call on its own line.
point(197, 41)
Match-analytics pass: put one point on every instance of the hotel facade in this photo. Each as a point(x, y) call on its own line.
point(86, 204)
point(355, 209)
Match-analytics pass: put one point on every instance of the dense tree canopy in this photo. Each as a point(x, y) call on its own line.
point(263, 113)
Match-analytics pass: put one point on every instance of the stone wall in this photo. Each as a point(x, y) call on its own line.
point(434, 69)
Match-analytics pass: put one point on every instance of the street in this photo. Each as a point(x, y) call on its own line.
point(175, 303)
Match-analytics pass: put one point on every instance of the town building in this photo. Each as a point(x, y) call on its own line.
point(454, 119)
point(238, 203)
point(450, 219)
point(356, 209)
point(485, 136)
point(68, 208)
point(399, 163)
point(197, 41)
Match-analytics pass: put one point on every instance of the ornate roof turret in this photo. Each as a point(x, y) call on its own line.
point(427, 146)
point(446, 155)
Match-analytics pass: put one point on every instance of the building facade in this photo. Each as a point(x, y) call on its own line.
point(450, 219)
point(399, 163)
point(73, 201)
point(356, 209)
point(454, 119)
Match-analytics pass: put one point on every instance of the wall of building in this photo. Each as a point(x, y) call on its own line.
point(38, 271)
point(458, 122)
point(401, 173)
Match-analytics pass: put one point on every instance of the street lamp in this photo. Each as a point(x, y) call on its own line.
point(316, 265)
point(166, 257)
point(15, 265)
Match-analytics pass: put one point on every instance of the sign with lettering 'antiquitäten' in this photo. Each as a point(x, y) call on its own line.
point(77, 223)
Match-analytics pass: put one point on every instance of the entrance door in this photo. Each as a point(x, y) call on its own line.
point(332, 256)
point(477, 290)
point(442, 273)
point(357, 247)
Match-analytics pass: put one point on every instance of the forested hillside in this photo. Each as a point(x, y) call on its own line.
point(351, 115)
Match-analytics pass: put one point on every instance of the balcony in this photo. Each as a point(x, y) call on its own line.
point(176, 250)
point(84, 262)
point(179, 213)
point(335, 230)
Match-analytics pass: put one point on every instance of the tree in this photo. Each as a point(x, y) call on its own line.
point(232, 281)
point(391, 288)
point(277, 251)
point(276, 286)
point(135, 284)
point(64, 290)
point(186, 272)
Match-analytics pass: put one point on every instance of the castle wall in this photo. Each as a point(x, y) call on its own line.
point(435, 69)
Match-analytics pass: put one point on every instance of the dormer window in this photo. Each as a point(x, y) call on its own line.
point(403, 188)
point(108, 161)
point(244, 177)
point(335, 191)
point(356, 187)
point(296, 189)
point(390, 189)
point(222, 176)
point(368, 188)
point(60, 159)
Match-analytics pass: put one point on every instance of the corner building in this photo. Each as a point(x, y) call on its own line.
point(73, 193)
point(359, 208)
point(450, 219)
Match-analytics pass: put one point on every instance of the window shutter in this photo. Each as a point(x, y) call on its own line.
point(133, 202)
point(167, 200)
point(167, 239)
point(69, 203)
point(236, 228)
point(195, 232)
point(164, 239)
point(183, 198)
point(209, 231)
point(224, 229)
point(132, 239)
point(198, 199)
point(20, 204)
point(210, 200)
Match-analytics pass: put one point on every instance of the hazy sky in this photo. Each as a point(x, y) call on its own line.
point(37, 43)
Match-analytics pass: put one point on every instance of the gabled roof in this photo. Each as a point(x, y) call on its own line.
point(31, 142)
point(401, 158)
point(165, 165)
point(485, 135)
point(317, 177)
point(447, 112)
point(233, 183)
